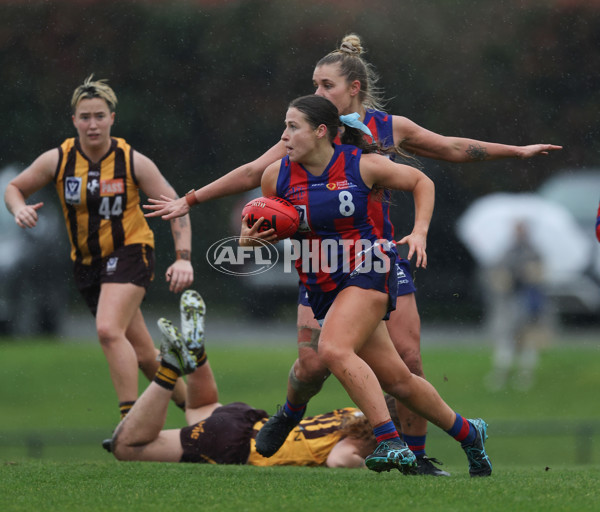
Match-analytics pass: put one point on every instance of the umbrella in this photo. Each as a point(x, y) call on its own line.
point(487, 230)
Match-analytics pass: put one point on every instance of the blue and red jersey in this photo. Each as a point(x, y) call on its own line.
point(380, 124)
point(598, 224)
point(334, 215)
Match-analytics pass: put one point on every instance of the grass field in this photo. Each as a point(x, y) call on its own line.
point(58, 404)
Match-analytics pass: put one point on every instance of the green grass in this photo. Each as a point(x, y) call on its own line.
point(58, 403)
point(95, 486)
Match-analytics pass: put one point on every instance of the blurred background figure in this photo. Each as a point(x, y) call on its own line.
point(518, 312)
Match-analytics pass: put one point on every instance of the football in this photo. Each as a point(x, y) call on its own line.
point(279, 214)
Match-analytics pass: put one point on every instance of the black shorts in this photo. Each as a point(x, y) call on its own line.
point(222, 438)
point(128, 264)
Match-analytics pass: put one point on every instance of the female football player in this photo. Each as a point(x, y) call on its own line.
point(351, 283)
point(98, 178)
point(346, 79)
point(217, 434)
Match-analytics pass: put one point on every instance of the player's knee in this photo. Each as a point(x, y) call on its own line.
point(118, 448)
point(306, 388)
point(330, 354)
point(309, 367)
point(400, 388)
point(106, 332)
point(413, 360)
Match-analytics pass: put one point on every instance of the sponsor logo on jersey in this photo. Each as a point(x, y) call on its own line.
point(340, 185)
point(112, 187)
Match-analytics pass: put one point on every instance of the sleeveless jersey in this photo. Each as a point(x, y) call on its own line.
point(100, 201)
point(598, 224)
point(380, 124)
point(309, 444)
point(333, 216)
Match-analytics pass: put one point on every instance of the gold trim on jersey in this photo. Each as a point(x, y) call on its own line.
point(309, 444)
point(100, 201)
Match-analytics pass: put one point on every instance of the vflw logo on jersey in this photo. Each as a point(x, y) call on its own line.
point(73, 190)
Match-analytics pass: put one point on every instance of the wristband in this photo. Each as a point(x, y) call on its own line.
point(184, 254)
point(190, 198)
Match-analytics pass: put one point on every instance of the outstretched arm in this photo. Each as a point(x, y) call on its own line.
point(180, 274)
point(32, 179)
point(241, 179)
point(420, 141)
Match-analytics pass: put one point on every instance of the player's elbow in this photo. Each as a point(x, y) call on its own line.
point(350, 461)
point(254, 173)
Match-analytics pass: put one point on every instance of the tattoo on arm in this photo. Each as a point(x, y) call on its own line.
point(184, 255)
point(477, 152)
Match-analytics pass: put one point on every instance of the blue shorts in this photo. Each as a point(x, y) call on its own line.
point(406, 284)
point(385, 282)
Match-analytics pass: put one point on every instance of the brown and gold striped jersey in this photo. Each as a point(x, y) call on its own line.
point(100, 201)
point(309, 444)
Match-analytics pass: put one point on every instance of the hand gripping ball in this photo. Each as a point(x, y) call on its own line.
point(279, 214)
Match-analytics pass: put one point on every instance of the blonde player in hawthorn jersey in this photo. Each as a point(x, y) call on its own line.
point(98, 178)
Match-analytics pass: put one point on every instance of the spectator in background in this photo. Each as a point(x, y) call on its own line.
point(518, 312)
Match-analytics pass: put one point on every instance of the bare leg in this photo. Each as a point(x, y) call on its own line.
point(140, 436)
point(395, 377)
point(203, 396)
point(404, 327)
point(308, 372)
point(117, 306)
point(349, 324)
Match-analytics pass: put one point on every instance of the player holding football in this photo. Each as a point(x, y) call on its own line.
point(347, 80)
point(98, 178)
point(219, 434)
point(350, 298)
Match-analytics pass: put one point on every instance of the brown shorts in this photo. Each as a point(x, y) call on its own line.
point(222, 438)
point(128, 264)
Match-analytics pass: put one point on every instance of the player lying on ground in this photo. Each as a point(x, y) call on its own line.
point(219, 434)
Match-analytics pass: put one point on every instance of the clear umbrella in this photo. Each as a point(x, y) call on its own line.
point(487, 227)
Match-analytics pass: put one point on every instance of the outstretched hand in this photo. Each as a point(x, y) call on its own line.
point(417, 244)
point(27, 216)
point(167, 208)
point(538, 149)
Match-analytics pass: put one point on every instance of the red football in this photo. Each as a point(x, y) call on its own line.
point(278, 213)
